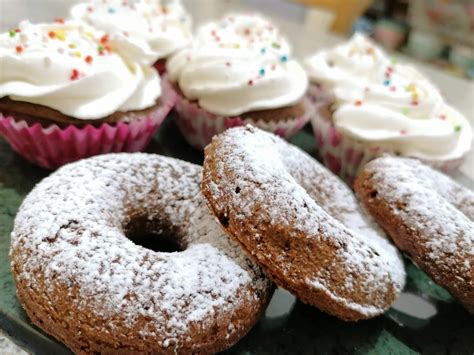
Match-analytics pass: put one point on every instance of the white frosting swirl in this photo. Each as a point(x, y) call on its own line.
point(163, 24)
point(76, 70)
point(237, 65)
point(386, 104)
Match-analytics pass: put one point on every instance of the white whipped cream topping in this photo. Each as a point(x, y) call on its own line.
point(237, 65)
point(389, 105)
point(163, 24)
point(76, 70)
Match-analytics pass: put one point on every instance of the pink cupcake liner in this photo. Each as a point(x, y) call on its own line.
point(54, 146)
point(316, 94)
point(345, 156)
point(199, 126)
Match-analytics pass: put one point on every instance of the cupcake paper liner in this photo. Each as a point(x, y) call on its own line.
point(317, 94)
point(345, 156)
point(54, 146)
point(199, 126)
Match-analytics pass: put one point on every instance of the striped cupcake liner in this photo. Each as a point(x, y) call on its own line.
point(199, 126)
point(54, 146)
point(345, 156)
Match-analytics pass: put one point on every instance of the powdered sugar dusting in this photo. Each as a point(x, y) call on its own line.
point(70, 229)
point(439, 211)
point(366, 309)
point(293, 191)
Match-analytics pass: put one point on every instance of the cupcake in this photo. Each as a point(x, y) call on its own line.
point(68, 92)
point(163, 24)
point(238, 71)
point(367, 105)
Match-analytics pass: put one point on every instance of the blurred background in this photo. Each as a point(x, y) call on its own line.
point(440, 32)
point(437, 31)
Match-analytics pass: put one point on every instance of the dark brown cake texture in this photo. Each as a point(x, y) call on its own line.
point(46, 116)
point(428, 215)
point(301, 224)
point(81, 279)
point(270, 115)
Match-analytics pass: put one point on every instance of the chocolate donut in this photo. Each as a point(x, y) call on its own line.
point(82, 279)
point(301, 224)
point(428, 216)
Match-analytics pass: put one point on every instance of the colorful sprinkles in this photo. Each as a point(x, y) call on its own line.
point(74, 74)
point(149, 13)
point(263, 39)
point(13, 33)
point(71, 46)
point(413, 90)
point(388, 77)
point(61, 35)
point(393, 79)
point(104, 39)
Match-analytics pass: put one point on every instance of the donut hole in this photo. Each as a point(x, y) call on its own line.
point(156, 242)
point(154, 235)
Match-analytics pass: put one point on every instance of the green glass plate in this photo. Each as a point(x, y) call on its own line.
point(425, 319)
